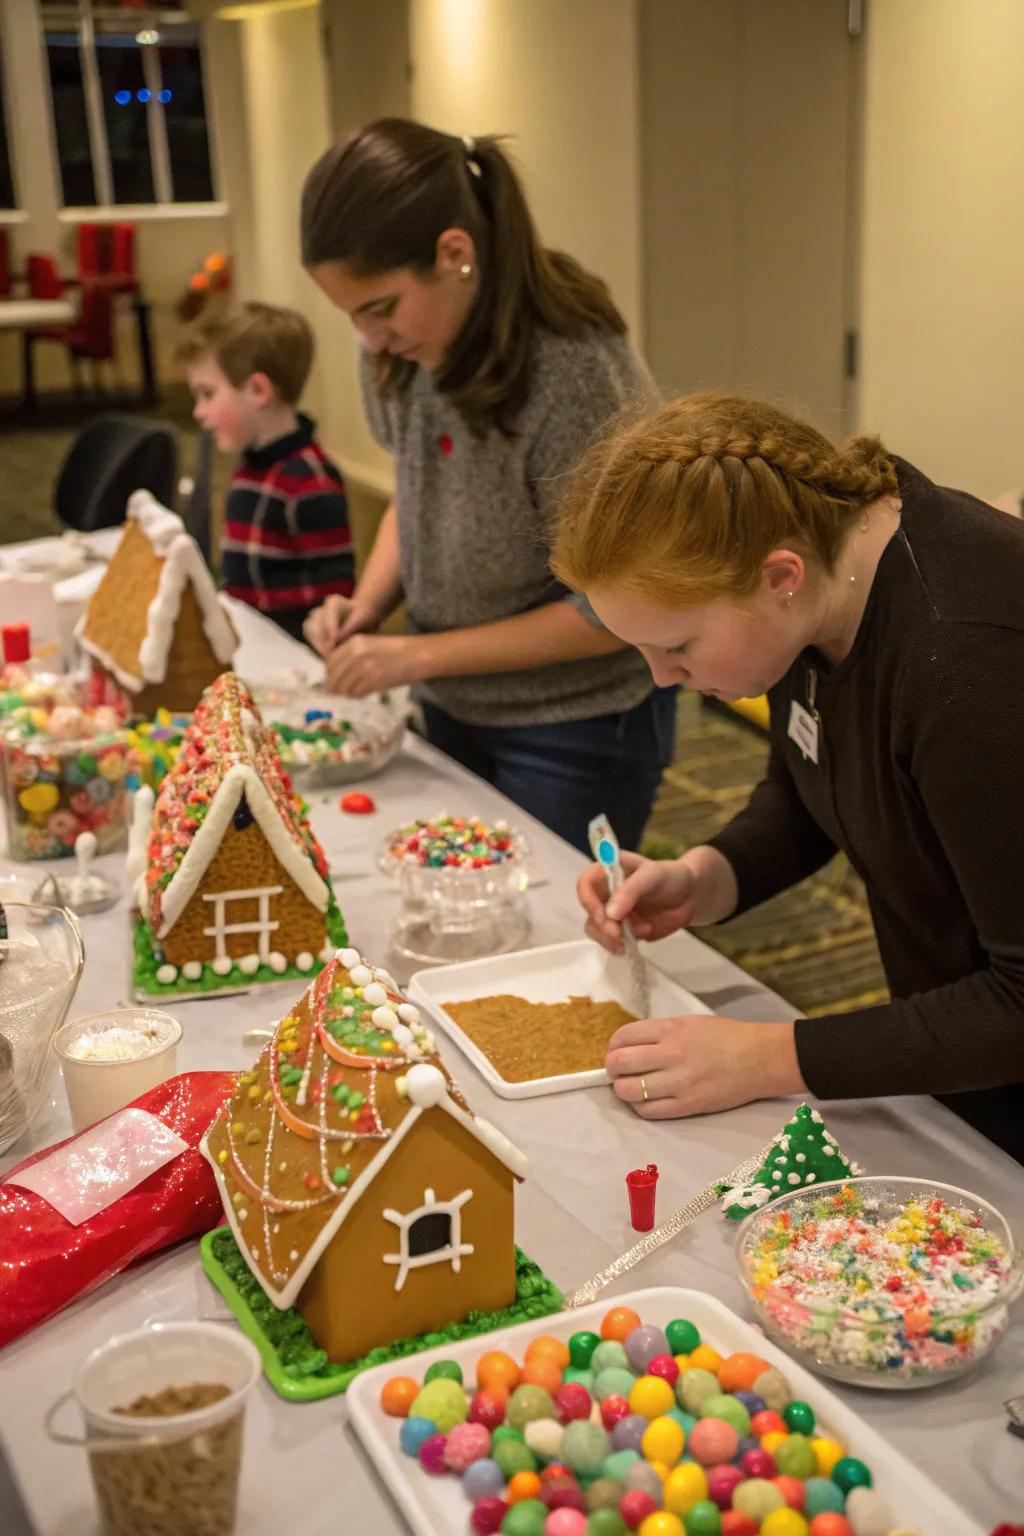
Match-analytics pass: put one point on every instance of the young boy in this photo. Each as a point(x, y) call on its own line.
point(286, 542)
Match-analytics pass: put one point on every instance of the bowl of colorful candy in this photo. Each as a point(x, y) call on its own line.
point(62, 772)
point(321, 746)
point(462, 885)
point(882, 1282)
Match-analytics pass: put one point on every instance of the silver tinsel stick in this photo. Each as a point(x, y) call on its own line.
point(668, 1229)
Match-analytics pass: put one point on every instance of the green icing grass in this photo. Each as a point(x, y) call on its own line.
point(294, 1364)
point(148, 957)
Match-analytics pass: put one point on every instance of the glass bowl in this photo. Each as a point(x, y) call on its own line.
point(457, 912)
point(881, 1282)
point(41, 960)
point(323, 741)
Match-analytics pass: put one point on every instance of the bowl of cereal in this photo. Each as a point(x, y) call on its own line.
point(882, 1282)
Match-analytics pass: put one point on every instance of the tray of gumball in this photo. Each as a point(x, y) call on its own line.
point(62, 770)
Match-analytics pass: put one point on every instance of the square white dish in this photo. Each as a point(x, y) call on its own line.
point(550, 974)
point(434, 1504)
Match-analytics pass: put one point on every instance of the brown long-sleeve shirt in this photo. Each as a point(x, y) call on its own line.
point(920, 782)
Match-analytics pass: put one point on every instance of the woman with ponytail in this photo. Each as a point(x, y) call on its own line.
point(489, 363)
point(742, 552)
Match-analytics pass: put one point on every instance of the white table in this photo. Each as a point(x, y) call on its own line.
point(28, 314)
point(303, 1467)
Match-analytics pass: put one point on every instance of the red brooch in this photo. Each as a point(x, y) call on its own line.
point(445, 444)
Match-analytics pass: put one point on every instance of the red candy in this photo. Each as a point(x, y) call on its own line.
point(792, 1490)
point(635, 1506)
point(764, 1422)
point(829, 1525)
point(563, 1493)
point(357, 804)
point(487, 1516)
point(613, 1409)
point(758, 1463)
point(665, 1367)
point(572, 1401)
point(487, 1409)
point(736, 1523)
point(722, 1483)
point(431, 1455)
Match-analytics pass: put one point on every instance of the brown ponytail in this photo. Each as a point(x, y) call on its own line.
point(685, 504)
point(381, 199)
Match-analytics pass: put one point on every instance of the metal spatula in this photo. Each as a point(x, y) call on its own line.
point(604, 846)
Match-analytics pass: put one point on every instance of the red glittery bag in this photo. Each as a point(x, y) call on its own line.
point(47, 1262)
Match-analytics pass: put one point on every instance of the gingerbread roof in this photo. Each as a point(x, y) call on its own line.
point(130, 621)
point(344, 1080)
point(227, 754)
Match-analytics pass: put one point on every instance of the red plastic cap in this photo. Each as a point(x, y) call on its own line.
point(16, 643)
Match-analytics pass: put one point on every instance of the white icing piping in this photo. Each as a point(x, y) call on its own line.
point(239, 779)
point(453, 1253)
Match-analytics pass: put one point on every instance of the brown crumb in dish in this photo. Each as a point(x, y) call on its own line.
point(529, 1040)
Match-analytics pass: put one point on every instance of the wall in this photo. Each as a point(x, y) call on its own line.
point(562, 80)
point(942, 235)
point(745, 112)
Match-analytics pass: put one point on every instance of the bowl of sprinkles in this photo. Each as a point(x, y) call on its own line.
point(882, 1282)
point(462, 884)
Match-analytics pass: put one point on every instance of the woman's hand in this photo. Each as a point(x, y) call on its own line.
point(666, 1068)
point(335, 620)
point(657, 896)
point(367, 664)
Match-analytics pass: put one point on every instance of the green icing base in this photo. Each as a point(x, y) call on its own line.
point(294, 1365)
point(148, 957)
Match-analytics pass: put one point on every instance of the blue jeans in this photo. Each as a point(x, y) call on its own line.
point(568, 772)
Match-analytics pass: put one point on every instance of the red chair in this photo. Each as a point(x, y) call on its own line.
point(106, 254)
point(44, 281)
point(91, 336)
point(5, 266)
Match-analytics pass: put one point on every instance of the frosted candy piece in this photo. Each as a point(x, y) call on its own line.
point(222, 965)
point(166, 974)
point(361, 975)
point(304, 960)
point(249, 965)
point(277, 962)
point(384, 1018)
point(192, 970)
point(349, 958)
point(375, 994)
point(408, 1014)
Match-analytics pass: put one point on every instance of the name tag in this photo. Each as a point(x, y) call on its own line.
point(803, 729)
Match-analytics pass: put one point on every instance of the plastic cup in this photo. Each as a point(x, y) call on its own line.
point(642, 1185)
point(99, 1087)
point(169, 1474)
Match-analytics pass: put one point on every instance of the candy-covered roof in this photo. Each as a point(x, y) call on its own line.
point(228, 756)
point(349, 1072)
point(130, 621)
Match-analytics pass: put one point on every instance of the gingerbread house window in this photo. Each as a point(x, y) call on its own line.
point(430, 1234)
point(263, 925)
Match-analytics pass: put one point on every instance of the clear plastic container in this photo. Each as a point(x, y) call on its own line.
point(55, 789)
point(899, 1321)
point(325, 741)
point(450, 912)
point(41, 960)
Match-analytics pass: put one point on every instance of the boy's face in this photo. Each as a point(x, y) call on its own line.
point(232, 414)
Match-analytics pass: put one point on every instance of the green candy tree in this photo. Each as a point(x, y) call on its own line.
point(802, 1154)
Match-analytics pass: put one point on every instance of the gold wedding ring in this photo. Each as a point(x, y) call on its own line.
point(643, 1089)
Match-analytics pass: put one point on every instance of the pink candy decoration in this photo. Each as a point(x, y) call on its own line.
point(565, 1522)
point(465, 1444)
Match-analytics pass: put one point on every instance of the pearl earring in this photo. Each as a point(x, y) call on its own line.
point(465, 271)
point(789, 599)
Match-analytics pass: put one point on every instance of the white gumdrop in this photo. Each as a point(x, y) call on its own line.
point(425, 1085)
point(192, 970)
point(166, 974)
point(349, 958)
point(361, 975)
point(277, 962)
point(375, 994)
point(408, 1013)
point(384, 1017)
point(386, 977)
point(304, 960)
point(249, 964)
point(222, 965)
point(402, 1036)
point(868, 1512)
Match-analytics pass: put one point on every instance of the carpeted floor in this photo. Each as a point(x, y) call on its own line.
point(814, 945)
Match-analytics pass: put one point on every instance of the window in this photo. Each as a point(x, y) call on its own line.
point(431, 1234)
point(129, 110)
point(6, 179)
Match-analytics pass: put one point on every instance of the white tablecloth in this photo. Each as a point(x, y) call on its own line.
point(26, 314)
point(303, 1467)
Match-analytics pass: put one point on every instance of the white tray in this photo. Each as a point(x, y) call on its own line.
point(433, 1504)
point(550, 974)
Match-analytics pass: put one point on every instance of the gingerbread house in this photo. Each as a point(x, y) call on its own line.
point(155, 628)
point(358, 1184)
point(230, 884)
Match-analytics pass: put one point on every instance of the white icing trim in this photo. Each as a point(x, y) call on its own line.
point(138, 838)
point(489, 1137)
point(454, 1250)
point(240, 779)
point(182, 565)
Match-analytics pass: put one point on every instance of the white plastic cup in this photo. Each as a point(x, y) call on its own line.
point(167, 1475)
point(98, 1088)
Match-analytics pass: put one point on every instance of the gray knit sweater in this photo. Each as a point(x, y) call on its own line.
point(474, 514)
